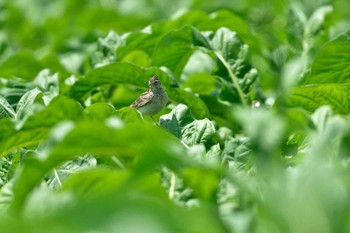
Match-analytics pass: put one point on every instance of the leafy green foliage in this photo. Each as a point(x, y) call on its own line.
point(255, 137)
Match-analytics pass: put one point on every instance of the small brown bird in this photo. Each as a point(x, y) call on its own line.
point(152, 101)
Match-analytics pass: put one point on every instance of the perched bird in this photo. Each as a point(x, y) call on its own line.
point(152, 101)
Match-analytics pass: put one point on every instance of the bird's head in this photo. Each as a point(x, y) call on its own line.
point(154, 83)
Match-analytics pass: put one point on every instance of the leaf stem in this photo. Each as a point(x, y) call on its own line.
point(183, 143)
point(172, 185)
point(57, 178)
point(118, 162)
point(233, 77)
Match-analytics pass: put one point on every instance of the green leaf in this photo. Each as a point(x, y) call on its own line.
point(311, 97)
point(99, 139)
point(206, 188)
point(197, 105)
point(110, 74)
point(22, 64)
point(95, 182)
point(127, 197)
point(197, 132)
point(129, 115)
point(60, 109)
point(229, 45)
point(138, 58)
point(212, 22)
point(37, 127)
point(181, 123)
point(140, 41)
point(176, 47)
point(6, 109)
point(228, 19)
point(99, 112)
point(27, 100)
point(265, 128)
point(232, 53)
point(200, 83)
point(331, 62)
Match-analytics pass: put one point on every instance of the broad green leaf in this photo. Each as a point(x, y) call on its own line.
point(229, 45)
point(99, 112)
point(298, 119)
point(197, 132)
point(179, 117)
point(95, 182)
point(212, 22)
point(37, 127)
point(197, 105)
point(176, 47)
point(311, 97)
point(200, 83)
point(231, 51)
point(204, 182)
point(181, 123)
point(138, 58)
point(232, 54)
point(6, 109)
point(140, 41)
point(127, 197)
point(237, 152)
point(99, 139)
point(129, 114)
point(27, 100)
point(107, 75)
point(228, 19)
point(22, 64)
point(60, 109)
point(265, 128)
point(13, 139)
point(52, 61)
point(331, 62)
point(200, 62)
point(7, 129)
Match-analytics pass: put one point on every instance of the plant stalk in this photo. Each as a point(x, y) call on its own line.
point(233, 78)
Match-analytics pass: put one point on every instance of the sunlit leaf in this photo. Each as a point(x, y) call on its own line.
point(36, 128)
point(311, 97)
point(181, 123)
point(22, 64)
point(331, 62)
point(99, 139)
point(176, 47)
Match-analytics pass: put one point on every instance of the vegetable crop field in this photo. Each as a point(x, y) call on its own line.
point(254, 138)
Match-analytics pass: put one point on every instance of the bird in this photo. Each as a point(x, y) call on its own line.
point(152, 101)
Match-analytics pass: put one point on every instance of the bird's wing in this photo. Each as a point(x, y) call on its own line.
point(142, 100)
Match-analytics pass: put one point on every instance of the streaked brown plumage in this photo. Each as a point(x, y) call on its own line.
point(152, 101)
